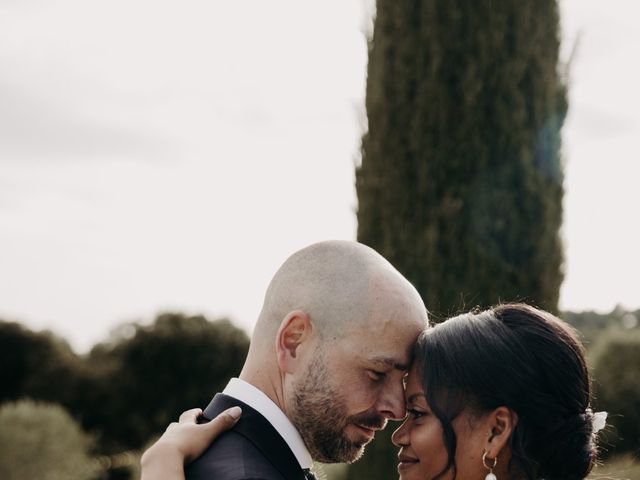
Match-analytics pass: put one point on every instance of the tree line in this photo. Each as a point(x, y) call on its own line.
point(126, 390)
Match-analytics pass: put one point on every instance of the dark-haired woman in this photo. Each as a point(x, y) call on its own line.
point(503, 393)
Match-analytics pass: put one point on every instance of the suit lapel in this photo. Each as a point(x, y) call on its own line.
point(256, 429)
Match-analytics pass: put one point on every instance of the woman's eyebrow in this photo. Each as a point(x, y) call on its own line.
point(415, 396)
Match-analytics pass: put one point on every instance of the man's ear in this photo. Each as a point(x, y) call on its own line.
point(501, 423)
point(294, 333)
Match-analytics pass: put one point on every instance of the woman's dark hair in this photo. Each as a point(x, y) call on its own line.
point(526, 360)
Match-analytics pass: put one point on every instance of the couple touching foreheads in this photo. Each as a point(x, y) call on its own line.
point(503, 393)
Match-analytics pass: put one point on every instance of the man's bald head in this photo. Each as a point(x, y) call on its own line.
point(336, 283)
point(333, 343)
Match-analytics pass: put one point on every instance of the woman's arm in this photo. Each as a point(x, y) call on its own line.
point(183, 442)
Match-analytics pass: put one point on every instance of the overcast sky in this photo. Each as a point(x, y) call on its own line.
point(163, 155)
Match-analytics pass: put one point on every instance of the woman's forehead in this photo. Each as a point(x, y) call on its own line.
point(413, 383)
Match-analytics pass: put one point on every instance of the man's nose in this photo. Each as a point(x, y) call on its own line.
point(392, 404)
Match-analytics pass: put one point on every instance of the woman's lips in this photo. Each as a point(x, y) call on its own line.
point(406, 462)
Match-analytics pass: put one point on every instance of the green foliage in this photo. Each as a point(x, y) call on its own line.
point(593, 325)
point(460, 185)
point(178, 362)
point(624, 467)
point(29, 361)
point(333, 471)
point(41, 441)
point(128, 389)
point(616, 364)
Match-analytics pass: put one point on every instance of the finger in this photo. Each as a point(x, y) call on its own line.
point(223, 421)
point(208, 432)
point(190, 416)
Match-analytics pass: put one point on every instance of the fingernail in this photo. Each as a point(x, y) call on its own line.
point(234, 412)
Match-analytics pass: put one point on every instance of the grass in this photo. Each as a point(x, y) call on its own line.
point(623, 467)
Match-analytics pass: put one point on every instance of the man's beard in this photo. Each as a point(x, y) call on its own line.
point(320, 414)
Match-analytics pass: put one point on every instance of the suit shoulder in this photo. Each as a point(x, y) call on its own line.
point(232, 457)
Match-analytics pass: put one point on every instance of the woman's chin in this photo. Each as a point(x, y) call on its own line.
point(409, 471)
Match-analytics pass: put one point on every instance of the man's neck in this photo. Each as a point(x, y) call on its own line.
point(266, 382)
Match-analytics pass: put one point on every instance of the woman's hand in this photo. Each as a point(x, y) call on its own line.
point(183, 442)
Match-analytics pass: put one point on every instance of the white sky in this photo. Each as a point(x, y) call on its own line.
point(169, 155)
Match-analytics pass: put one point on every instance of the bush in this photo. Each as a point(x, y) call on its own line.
point(41, 441)
point(616, 363)
point(146, 379)
point(130, 387)
point(30, 360)
point(624, 467)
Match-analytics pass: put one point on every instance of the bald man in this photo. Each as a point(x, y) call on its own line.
point(325, 366)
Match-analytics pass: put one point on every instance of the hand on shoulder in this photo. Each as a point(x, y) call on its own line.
point(183, 442)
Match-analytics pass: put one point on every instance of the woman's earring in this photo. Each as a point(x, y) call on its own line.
point(490, 475)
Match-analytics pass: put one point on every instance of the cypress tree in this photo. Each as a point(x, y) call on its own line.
point(461, 183)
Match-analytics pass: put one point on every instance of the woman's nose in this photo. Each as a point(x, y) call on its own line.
point(400, 437)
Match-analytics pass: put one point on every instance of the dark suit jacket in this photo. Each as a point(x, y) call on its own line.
point(252, 450)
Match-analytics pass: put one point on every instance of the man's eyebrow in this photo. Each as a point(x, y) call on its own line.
point(390, 362)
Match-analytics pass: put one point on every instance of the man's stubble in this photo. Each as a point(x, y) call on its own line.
point(320, 414)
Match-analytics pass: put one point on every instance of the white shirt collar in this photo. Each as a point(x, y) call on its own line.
point(258, 400)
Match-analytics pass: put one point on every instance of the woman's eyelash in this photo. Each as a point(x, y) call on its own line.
point(376, 376)
point(413, 413)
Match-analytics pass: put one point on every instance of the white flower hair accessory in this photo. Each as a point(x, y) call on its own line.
point(599, 421)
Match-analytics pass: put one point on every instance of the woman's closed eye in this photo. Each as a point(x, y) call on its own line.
point(415, 414)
